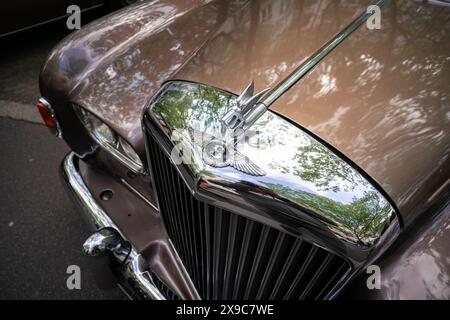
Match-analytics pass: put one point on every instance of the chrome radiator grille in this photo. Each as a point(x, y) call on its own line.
point(231, 257)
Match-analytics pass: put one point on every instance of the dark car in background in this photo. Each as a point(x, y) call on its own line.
point(20, 15)
point(261, 149)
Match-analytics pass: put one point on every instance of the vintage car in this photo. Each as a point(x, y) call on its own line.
point(261, 149)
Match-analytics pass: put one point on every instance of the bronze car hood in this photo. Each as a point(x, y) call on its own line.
point(381, 98)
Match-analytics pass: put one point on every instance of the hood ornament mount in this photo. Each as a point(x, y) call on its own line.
point(235, 119)
point(246, 102)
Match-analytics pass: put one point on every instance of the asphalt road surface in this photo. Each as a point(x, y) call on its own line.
point(41, 232)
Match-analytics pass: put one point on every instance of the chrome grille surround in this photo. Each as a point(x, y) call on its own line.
point(308, 191)
point(232, 257)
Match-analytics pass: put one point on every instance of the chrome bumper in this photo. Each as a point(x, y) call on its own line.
point(134, 268)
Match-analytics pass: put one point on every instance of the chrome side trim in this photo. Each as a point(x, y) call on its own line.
point(135, 268)
point(125, 292)
point(92, 211)
point(268, 99)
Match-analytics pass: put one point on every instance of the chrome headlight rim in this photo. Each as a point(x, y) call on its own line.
point(116, 145)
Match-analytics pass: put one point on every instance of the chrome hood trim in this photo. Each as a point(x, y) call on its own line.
point(307, 190)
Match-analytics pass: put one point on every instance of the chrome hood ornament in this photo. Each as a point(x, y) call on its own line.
point(246, 102)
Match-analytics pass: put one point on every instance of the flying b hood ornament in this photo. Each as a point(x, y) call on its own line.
point(246, 103)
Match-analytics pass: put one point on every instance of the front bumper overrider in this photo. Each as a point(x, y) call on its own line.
point(133, 267)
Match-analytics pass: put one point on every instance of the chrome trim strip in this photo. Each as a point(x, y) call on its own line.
point(269, 98)
point(186, 273)
point(135, 267)
point(92, 211)
point(140, 195)
point(136, 168)
point(57, 131)
point(135, 270)
point(125, 292)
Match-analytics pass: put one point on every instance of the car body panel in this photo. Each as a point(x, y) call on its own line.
point(377, 98)
point(383, 99)
point(113, 66)
point(419, 268)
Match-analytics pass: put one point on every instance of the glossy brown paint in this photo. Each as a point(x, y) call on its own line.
point(418, 268)
point(113, 66)
point(381, 98)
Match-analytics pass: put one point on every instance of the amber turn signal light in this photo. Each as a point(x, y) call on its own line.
point(48, 116)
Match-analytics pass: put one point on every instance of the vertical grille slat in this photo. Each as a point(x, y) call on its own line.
point(217, 252)
point(159, 173)
point(243, 257)
point(231, 257)
point(232, 243)
point(283, 278)
point(270, 272)
point(331, 281)
point(317, 275)
point(199, 241)
point(185, 213)
point(258, 263)
point(301, 273)
point(168, 199)
point(208, 252)
point(203, 250)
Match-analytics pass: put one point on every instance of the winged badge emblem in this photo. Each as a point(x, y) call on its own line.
point(217, 154)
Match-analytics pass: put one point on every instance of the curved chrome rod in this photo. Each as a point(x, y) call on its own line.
point(270, 97)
